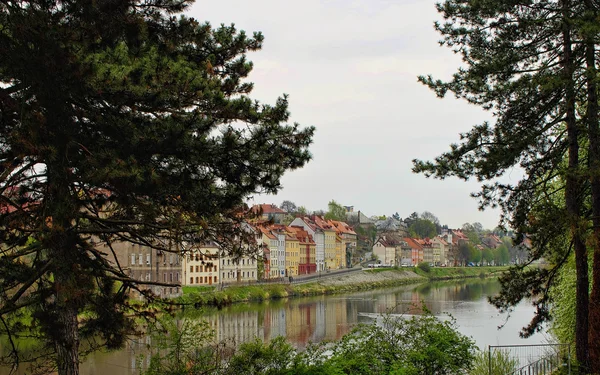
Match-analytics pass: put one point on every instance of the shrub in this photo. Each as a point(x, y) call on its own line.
point(502, 364)
point(419, 345)
point(424, 266)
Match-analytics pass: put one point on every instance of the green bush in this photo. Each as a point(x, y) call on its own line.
point(419, 345)
point(424, 266)
point(502, 363)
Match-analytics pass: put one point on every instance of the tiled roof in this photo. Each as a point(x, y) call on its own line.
point(413, 243)
point(302, 235)
point(342, 227)
point(267, 209)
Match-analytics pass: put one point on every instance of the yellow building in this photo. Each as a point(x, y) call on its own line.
point(308, 251)
point(292, 253)
point(329, 233)
point(340, 252)
point(201, 266)
point(349, 239)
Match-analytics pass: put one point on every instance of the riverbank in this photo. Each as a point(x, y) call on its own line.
point(343, 283)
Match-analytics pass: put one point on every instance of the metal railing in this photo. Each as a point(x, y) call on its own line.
point(543, 359)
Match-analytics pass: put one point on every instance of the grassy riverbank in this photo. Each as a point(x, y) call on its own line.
point(344, 283)
point(450, 273)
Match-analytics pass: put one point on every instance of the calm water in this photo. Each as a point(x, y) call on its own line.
point(320, 318)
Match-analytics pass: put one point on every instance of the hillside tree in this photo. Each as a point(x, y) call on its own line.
point(335, 211)
point(120, 121)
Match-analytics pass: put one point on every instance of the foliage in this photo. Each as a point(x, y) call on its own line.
point(335, 211)
point(419, 345)
point(422, 228)
point(502, 363)
point(424, 266)
point(289, 207)
point(501, 255)
point(531, 65)
point(487, 255)
point(426, 215)
point(121, 124)
point(183, 347)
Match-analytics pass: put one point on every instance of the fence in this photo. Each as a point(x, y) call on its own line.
point(543, 359)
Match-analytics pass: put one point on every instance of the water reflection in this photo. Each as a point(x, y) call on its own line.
point(316, 319)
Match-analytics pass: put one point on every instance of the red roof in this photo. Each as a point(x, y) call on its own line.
point(267, 209)
point(413, 243)
point(301, 234)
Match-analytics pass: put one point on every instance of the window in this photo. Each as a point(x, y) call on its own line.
point(191, 280)
point(215, 279)
point(197, 268)
point(165, 277)
point(197, 278)
point(191, 268)
point(171, 259)
point(133, 259)
point(141, 258)
point(171, 277)
point(148, 259)
point(177, 276)
point(205, 279)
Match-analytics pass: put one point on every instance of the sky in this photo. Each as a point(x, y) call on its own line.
point(350, 69)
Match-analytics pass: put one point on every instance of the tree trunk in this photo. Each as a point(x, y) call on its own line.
point(591, 118)
point(67, 340)
point(573, 197)
point(68, 276)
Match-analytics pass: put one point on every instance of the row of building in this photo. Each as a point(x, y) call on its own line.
point(308, 245)
point(398, 250)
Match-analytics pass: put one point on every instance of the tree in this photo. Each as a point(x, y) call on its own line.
point(522, 65)
point(120, 123)
point(487, 255)
point(289, 207)
point(335, 212)
point(431, 217)
point(422, 228)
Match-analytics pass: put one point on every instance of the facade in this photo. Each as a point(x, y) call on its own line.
point(443, 248)
point(307, 262)
point(270, 246)
point(241, 269)
point(417, 255)
point(329, 233)
point(318, 237)
point(201, 266)
point(428, 250)
point(146, 264)
point(385, 250)
point(292, 253)
point(404, 254)
point(349, 242)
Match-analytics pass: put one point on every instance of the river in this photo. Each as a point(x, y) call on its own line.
point(314, 319)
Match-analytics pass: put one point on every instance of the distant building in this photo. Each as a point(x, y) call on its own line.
point(149, 265)
point(269, 212)
point(201, 266)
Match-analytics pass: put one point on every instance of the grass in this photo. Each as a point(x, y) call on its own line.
point(210, 296)
point(448, 273)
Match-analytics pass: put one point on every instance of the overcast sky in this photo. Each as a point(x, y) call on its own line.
point(350, 69)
